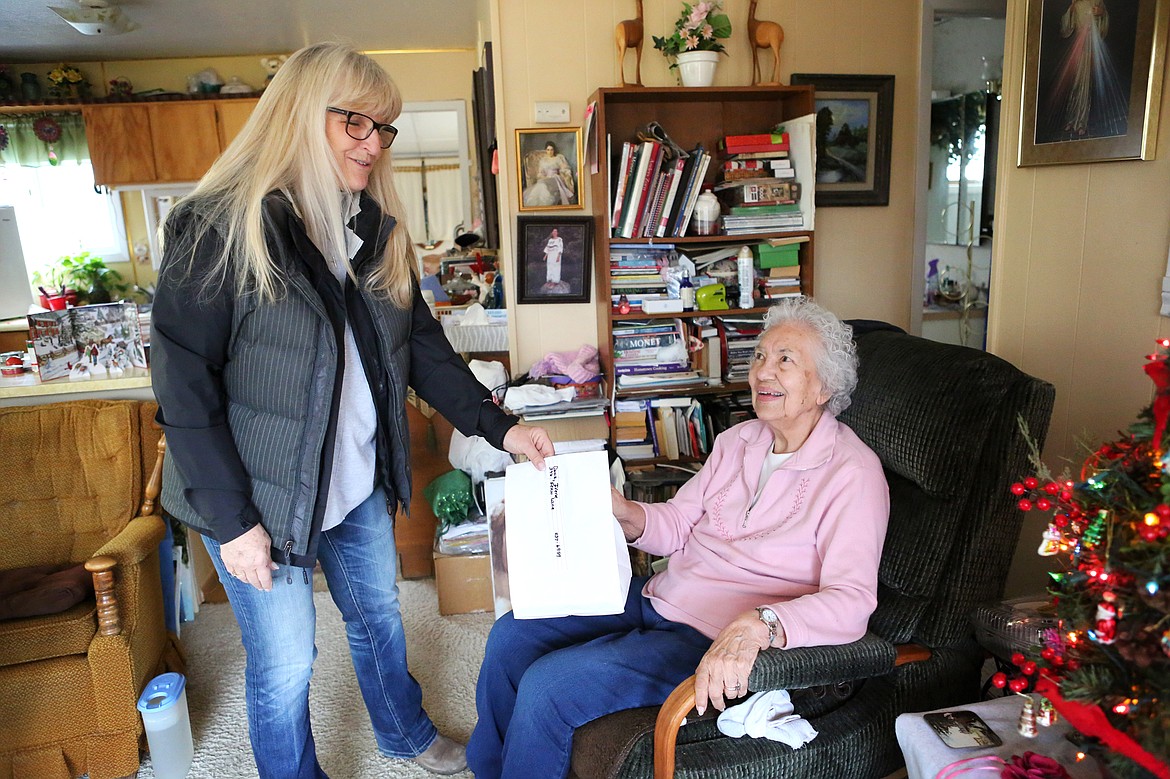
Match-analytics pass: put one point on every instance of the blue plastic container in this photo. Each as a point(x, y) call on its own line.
point(163, 705)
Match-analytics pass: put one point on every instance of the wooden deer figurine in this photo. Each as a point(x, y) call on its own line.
point(764, 35)
point(628, 35)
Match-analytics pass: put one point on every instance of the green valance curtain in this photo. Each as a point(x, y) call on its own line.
point(26, 148)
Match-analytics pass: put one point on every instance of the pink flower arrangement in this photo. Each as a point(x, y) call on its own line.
point(699, 28)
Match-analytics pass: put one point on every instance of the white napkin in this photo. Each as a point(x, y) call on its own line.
point(767, 715)
point(536, 395)
point(474, 315)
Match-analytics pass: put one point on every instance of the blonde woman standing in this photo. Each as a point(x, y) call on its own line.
point(287, 326)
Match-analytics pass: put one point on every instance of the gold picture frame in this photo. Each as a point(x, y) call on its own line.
point(1101, 106)
point(549, 180)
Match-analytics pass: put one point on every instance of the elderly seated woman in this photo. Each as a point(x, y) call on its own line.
point(774, 543)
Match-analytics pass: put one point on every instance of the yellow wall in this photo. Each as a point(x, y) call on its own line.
point(1079, 252)
point(864, 256)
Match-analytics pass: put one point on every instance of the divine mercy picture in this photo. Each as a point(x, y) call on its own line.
point(1086, 65)
point(1092, 80)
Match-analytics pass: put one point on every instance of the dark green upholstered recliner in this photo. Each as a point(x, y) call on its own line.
point(943, 420)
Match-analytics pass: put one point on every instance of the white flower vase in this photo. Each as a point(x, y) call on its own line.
point(697, 68)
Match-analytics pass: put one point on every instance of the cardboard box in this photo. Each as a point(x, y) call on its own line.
point(464, 583)
point(777, 256)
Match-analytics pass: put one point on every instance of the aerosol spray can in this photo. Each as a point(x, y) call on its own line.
point(746, 276)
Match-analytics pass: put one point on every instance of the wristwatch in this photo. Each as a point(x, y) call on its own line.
point(769, 618)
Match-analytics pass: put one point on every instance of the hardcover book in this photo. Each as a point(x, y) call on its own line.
point(99, 341)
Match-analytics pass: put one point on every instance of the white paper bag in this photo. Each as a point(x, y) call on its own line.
point(566, 552)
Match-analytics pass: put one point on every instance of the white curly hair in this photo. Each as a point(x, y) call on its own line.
point(836, 359)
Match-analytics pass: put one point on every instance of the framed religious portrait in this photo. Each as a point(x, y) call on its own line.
point(548, 169)
point(855, 123)
point(1092, 80)
point(554, 259)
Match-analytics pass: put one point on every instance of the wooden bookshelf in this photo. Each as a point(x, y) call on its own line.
point(690, 116)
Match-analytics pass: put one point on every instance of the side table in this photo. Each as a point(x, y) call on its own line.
point(926, 754)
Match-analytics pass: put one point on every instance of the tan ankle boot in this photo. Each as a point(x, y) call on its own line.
point(443, 757)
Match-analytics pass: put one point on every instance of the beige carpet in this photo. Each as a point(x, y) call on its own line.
point(443, 652)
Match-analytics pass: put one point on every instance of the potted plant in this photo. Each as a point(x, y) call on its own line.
point(84, 277)
point(694, 45)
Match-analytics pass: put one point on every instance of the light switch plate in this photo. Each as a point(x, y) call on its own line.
point(552, 112)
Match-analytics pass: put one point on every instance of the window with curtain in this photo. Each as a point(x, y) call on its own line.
point(431, 192)
point(45, 174)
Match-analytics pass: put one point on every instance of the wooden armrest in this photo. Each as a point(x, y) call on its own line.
point(108, 615)
point(681, 702)
point(154, 483)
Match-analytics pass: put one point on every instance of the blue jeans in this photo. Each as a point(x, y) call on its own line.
point(542, 678)
point(358, 558)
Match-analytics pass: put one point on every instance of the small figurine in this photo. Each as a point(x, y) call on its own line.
point(628, 35)
point(1047, 716)
point(121, 88)
point(764, 35)
point(1026, 727)
point(1050, 543)
point(271, 65)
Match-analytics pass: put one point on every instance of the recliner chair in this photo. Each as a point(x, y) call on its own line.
point(945, 422)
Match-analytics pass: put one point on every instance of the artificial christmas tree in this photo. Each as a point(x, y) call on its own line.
point(1107, 666)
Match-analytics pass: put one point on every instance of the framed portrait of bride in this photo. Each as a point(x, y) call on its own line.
point(554, 259)
point(548, 169)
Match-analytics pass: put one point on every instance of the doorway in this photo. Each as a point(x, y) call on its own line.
point(962, 63)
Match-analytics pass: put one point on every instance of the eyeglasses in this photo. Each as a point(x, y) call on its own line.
point(359, 127)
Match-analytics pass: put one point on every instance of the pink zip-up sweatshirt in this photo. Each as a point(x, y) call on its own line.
point(809, 548)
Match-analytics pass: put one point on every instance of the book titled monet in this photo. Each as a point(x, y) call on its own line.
point(99, 341)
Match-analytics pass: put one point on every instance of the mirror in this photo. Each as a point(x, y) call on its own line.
point(964, 56)
point(432, 172)
point(967, 66)
point(958, 146)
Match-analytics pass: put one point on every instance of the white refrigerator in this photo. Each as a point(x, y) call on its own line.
point(15, 293)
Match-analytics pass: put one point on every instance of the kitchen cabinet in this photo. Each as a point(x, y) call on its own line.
point(160, 143)
point(115, 134)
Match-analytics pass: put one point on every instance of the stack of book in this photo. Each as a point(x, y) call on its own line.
point(738, 338)
point(635, 271)
point(655, 190)
point(631, 430)
point(670, 427)
point(759, 187)
point(779, 262)
point(652, 354)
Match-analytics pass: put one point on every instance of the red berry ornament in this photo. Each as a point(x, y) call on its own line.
point(1025, 504)
point(1029, 668)
point(1031, 482)
point(999, 680)
point(1018, 489)
point(1044, 504)
point(1018, 684)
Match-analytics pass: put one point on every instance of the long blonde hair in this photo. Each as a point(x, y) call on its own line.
point(283, 147)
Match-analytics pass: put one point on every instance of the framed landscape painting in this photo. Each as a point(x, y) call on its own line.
point(855, 121)
point(554, 259)
point(1092, 80)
